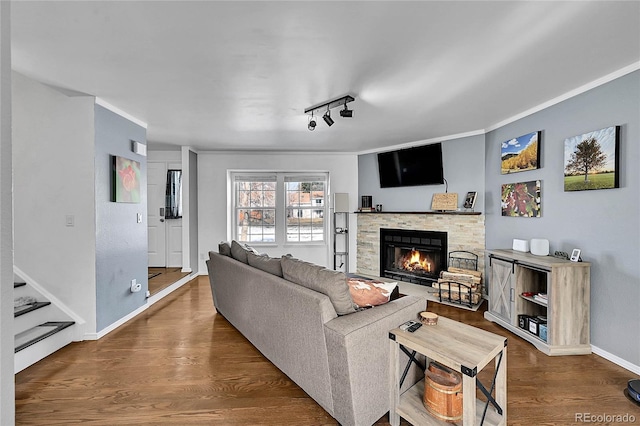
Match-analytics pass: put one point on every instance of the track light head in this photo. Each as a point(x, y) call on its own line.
point(327, 118)
point(346, 112)
point(312, 123)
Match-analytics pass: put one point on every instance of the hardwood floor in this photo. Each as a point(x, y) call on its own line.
point(164, 277)
point(180, 363)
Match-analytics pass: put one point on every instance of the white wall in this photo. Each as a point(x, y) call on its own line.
point(53, 155)
point(213, 206)
point(7, 390)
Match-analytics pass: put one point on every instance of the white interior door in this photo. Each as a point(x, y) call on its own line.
point(156, 188)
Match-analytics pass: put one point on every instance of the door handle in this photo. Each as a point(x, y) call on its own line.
point(162, 220)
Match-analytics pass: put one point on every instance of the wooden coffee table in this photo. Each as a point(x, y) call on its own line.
point(462, 348)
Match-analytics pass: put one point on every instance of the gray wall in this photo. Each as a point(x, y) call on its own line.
point(604, 224)
point(121, 242)
point(463, 165)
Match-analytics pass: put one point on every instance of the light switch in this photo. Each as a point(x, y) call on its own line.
point(69, 220)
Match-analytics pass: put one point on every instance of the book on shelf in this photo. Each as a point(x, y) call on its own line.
point(541, 297)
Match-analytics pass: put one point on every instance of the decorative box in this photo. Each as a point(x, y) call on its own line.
point(543, 332)
point(534, 324)
point(523, 322)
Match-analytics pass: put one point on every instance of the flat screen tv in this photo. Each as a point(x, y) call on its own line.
point(421, 165)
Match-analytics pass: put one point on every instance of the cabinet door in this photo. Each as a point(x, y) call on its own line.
point(500, 289)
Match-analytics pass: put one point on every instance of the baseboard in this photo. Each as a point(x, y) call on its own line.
point(121, 321)
point(616, 360)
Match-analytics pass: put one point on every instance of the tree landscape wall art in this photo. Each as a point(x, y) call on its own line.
point(521, 153)
point(125, 180)
point(521, 199)
point(591, 161)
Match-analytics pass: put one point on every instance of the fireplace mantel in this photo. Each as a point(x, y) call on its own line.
point(425, 212)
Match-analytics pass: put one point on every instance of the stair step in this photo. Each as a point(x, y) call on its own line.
point(21, 310)
point(38, 333)
point(16, 285)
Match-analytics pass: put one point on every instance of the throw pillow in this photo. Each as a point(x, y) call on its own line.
point(265, 263)
point(367, 293)
point(238, 252)
point(322, 280)
point(224, 248)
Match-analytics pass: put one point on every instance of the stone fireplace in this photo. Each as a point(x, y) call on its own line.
point(465, 231)
point(411, 255)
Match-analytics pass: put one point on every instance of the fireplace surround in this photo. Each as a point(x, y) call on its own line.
point(413, 256)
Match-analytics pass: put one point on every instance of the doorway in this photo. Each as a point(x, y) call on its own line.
point(164, 195)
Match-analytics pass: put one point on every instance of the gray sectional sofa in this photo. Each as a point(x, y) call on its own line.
point(341, 361)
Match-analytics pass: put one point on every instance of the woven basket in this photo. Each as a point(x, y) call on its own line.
point(443, 393)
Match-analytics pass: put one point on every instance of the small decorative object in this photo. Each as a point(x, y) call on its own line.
point(540, 247)
point(575, 255)
point(470, 200)
point(125, 180)
point(378, 207)
point(591, 161)
point(428, 318)
point(444, 201)
point(522, 199)
point(521, 154)
point(520, 245)
point(367, 201)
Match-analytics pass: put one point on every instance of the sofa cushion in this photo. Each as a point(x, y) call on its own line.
point(224, 248)
point(239, 252)
point(325, 281)
point(265, 263)
point(366, 293)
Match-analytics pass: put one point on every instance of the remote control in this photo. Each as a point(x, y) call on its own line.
point(410, 326)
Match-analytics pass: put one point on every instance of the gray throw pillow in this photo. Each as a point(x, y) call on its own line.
point(238, 252)
point(265, 263)
point(224, 248)
point(322, 280)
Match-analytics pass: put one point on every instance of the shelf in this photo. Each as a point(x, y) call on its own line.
point(426, 212)
point(411, 408)
point(537, 302)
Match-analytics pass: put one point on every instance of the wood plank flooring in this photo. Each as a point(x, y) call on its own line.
point(181, 363)
point(164, 278)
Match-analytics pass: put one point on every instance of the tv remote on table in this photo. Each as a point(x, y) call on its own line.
point(410, 326)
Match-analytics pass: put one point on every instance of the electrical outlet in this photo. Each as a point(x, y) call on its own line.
point(135, 286)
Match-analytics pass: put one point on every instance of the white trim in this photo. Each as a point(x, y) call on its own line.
point(170, 289)
point(616, 360)
point(575, 92)
point(121, 321)
point(49, 296)
point(424, 142)
point(120, 112)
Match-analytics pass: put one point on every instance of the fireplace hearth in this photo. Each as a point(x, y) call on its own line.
point(413, 256)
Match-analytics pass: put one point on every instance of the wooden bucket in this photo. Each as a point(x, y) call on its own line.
point(443, 393)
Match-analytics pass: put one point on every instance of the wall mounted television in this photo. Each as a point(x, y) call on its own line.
point(421, 165)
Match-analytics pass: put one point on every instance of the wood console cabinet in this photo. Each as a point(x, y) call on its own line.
point(567, 286)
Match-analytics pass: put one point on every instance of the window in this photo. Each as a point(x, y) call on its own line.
point(279, 208)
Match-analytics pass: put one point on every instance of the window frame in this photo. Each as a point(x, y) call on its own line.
point(281, 206)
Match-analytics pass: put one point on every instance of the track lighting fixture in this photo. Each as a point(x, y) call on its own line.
point(327, 115)
point(312, 122)
point(327, 118)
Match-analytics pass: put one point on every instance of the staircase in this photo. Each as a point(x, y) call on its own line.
point(40, 328)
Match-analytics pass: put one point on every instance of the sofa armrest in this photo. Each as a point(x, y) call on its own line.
point(358, 347)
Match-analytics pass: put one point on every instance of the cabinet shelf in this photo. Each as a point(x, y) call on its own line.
point(532, 300)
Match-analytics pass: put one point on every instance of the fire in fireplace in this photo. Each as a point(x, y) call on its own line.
point(411, 255)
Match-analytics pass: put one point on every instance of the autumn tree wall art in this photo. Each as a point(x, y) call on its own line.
point(125, 181)
point(591, 161)
point(521, 199)
point(521, 153)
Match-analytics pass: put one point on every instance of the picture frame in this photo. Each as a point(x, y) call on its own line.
point(470, 200)
point(125, 180)
point(522, 199)
point(521, 154)
point(592, 160)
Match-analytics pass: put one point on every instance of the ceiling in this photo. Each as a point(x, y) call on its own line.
point(238, 75)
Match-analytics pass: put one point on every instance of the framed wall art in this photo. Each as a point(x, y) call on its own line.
point(591, 161)
point(125, 180)
point(522, 199)
point(521, 154)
